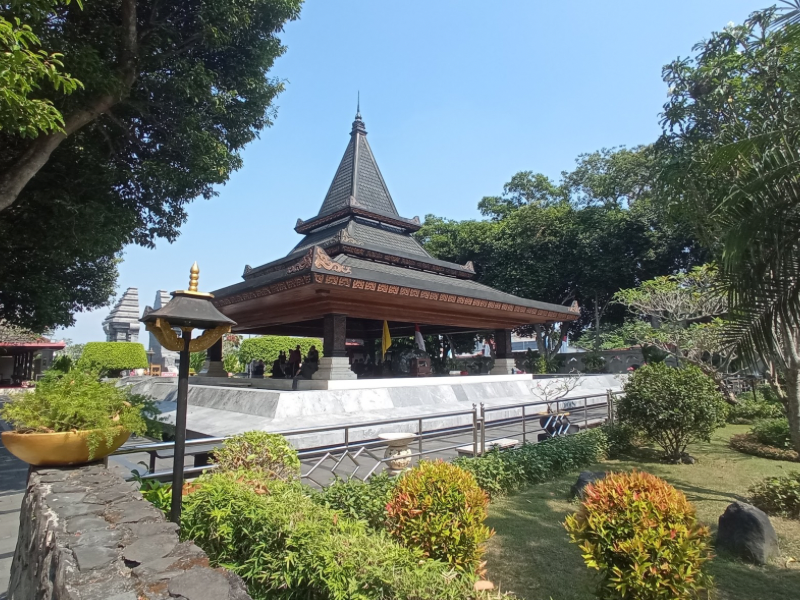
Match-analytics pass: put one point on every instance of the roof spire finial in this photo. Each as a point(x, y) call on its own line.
point(358, 106)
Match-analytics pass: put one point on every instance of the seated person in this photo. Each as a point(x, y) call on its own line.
point(277, 370)
point(313, 355)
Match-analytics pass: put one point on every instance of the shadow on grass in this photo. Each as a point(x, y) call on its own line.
point(531, 554)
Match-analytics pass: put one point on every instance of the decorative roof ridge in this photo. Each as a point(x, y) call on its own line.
point(355, 208)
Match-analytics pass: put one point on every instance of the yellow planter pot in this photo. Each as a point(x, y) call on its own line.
point(58, 449)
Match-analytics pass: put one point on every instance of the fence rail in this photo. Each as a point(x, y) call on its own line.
point(360, 456)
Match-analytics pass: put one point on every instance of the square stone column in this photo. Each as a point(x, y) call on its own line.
point(334, 363)
point(504, 355)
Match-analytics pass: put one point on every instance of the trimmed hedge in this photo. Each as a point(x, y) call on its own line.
point(267, 347)
point(285, 546)
point(112, 357)
point(748, 444)
point(502, 471)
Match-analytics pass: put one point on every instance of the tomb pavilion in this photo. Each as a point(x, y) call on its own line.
point(358, 265)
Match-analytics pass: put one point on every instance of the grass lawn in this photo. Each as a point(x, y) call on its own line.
point(531, 554)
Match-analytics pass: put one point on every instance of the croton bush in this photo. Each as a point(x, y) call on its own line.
point(439, 508)
point(643, 537)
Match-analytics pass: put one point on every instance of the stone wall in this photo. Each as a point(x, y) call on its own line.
point(85, 534)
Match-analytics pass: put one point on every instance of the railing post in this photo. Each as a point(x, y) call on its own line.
point(474, 430)
point(585, 416)
point(419, 438)
point(483, 430)
point(524, 429)
point(347, 439)
point(610, 404)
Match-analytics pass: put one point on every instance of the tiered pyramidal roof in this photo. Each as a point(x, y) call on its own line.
point(358, 213)
point(359, 241)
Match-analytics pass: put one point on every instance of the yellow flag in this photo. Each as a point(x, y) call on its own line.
point(386, 342)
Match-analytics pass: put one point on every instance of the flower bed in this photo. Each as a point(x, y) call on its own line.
point(748, 444)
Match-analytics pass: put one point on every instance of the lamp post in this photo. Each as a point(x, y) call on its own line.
point(188, 310)
point(150, 354)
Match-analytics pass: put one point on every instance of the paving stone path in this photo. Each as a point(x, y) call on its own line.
point(13, 475)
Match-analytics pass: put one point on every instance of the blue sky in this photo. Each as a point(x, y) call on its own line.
point(457, 96)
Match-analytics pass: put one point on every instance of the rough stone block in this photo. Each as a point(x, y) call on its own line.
point(745, 531)
point(90, 557)
point(200, 584)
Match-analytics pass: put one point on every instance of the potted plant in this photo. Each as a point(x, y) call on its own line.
point(72, 418)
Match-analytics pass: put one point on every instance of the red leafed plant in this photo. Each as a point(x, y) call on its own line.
point(643, 537)
point(440, 509)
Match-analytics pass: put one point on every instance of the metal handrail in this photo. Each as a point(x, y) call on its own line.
point(478, 427)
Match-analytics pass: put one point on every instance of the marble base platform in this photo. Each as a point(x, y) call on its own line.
point(221, 407)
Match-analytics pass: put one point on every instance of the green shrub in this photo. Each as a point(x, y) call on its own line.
point(621, 439)
point(286, 546)
point(773, 432)
point(765, 404)
point(440, 509)
point(747, 443)
point(503, 471)
point(78, 401)
point(642, 535)
point(672, 407)
point(267, 347)
point(267, 453)
point(358, 500)
point(110, 358)
point(778, 495)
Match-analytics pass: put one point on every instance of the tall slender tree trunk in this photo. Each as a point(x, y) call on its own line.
point(792, 403)
point(596, 324)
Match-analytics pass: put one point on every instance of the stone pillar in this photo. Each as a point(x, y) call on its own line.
point(504, 356)
point(216, 368)
point(334, 363)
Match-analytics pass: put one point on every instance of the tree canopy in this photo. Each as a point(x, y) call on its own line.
point(171, 94)
point(582, 239)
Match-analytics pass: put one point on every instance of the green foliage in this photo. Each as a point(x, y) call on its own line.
point(595, 363)
point(671, 407)
point(196, 361)
point(356, 499)
point(267, 347)
point(778, 495)
point(156, 493)
point(112, 357)
point(643, 537)
point(232, 363)
point(169, 119)
point(750, 408)
point(438, 508)
point(747, 443)
point(62, 364)
point(582, 239)
point(621, 439)
point(78, 401)
point(773, 432)
point(24, 67)
point(286, 546)
point(614, 337)
point(258, 451)
point(501, 472)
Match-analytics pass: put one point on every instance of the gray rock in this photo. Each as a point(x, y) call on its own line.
point(745, 531)
point(584, 479)
point(106, 538)
point(90, 557)
point(156, 568)
point(145, 549)
point(133, 512)
point(688, 459)
point(147, 529)
point(66, 488)
point(200, 584)
point(85, 523)
point(79, 509)
point(65, 499)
